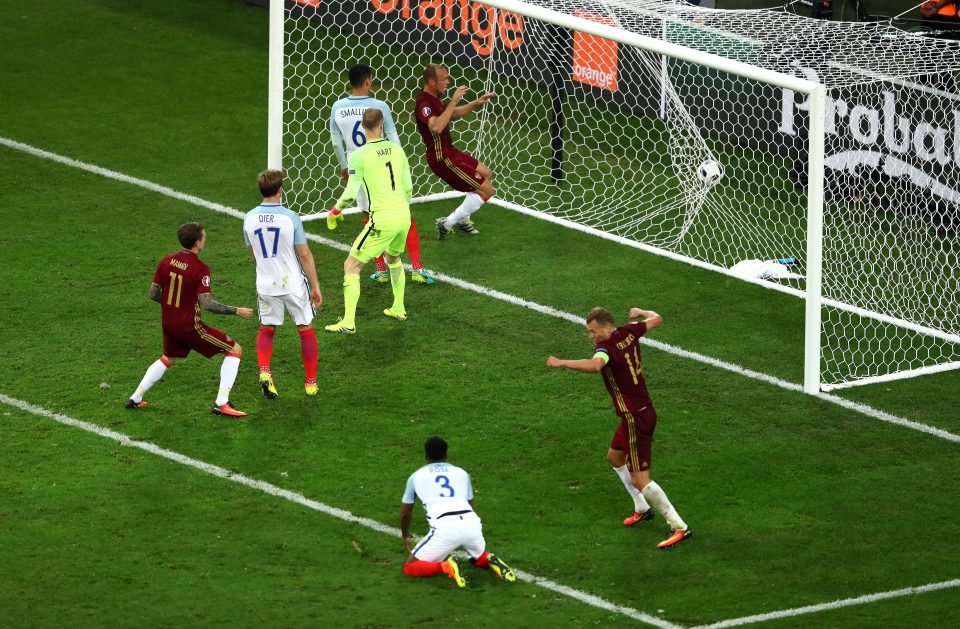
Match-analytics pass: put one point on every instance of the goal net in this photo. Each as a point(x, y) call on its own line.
point(705, 163)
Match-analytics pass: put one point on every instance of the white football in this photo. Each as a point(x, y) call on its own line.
point(709, 173)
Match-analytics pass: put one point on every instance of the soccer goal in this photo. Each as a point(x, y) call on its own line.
point(711, 137)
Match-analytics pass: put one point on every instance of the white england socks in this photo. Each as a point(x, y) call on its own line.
point(471, 203)
point(228, 375)
point(639, 502)
point(154, 373)
point(658, 499)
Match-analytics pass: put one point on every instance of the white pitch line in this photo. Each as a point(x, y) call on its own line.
point(863, 409)
point(846, 602)
point(341, 514)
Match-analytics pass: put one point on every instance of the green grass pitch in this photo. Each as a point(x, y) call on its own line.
point(795, 501)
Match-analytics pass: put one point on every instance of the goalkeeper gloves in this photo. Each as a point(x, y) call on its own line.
point(334, 217)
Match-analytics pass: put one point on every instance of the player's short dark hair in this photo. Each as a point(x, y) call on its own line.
point(430, 72)
point(601, 316)
point(269, 182)
point(190, 234)
point(359, 74)
point(436, 449)
point(372, 119)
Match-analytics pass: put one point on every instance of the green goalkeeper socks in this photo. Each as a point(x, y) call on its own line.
point(351, 295)
point(398, 282)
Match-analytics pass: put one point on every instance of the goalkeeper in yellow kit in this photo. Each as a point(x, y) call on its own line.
point(381, 167)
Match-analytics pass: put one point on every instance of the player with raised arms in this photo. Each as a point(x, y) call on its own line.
point(617, 358)
point(381, 167)
point(460, 170)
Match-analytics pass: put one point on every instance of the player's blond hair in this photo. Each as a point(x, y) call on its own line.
point(601, 316)
point(372, 119)
point(269, 182)
point(430, 72)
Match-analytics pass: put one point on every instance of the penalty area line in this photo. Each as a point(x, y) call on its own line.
point(341, 514)
point(857, 407)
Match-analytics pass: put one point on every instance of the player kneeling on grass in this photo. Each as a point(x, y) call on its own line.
point(617, 357)
point(181, 285)
point(381, 167)
point(447, 497)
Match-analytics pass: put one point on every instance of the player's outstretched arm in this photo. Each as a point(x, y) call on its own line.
point(463, 110)
point(586, 365)
point(154, 293)
point(208, 303)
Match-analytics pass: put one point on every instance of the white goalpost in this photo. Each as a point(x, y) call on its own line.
point(709, 137)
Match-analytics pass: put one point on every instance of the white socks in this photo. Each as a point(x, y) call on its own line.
point(154, 373)
point(658, 499)
point(471, 203)
point(228, 375)
point(639, 503)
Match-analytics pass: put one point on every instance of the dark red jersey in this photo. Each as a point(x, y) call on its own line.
point(428, 106)
point(623, 373)
point(181, 276)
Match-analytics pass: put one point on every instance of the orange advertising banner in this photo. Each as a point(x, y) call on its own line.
point(595, 60)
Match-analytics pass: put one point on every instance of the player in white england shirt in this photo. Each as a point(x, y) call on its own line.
point(347, 136)
point(275, 238)
point(447, 496)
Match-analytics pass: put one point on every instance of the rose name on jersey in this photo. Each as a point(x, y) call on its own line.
point(180, 265)
point(626, 342)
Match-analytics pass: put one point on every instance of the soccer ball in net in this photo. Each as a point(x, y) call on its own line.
point(709, 173)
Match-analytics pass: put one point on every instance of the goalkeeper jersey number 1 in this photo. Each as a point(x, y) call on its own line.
point(381, 167)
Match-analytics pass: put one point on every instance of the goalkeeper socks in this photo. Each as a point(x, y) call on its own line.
point(413, 246)
point(154, 373)
point(265, 348)
point(417, 568)
point(381, 265)
point(658, 499)
point(228, 375)
point(639, 502)
point(397, 283)
point(351, 295)
point(308, 349)
point(471, 203)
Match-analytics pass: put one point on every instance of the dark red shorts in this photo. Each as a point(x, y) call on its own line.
point(459, 170)
point(634, 437)
point(202, 339)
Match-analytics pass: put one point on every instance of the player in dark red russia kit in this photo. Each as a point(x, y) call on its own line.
point(462, 171)
point(181, 285)
point(617, 357)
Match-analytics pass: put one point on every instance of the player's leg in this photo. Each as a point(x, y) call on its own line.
point(302, 312)
point(228, 376)
point(397, 277)
point(270, 310)
point(154, 372)
point(363, 249)
point(418, 275)
point(472, 541)
point(432, 555)
point(479, 190)
point(640, 428)
point(381, 274)
point(618, 461)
